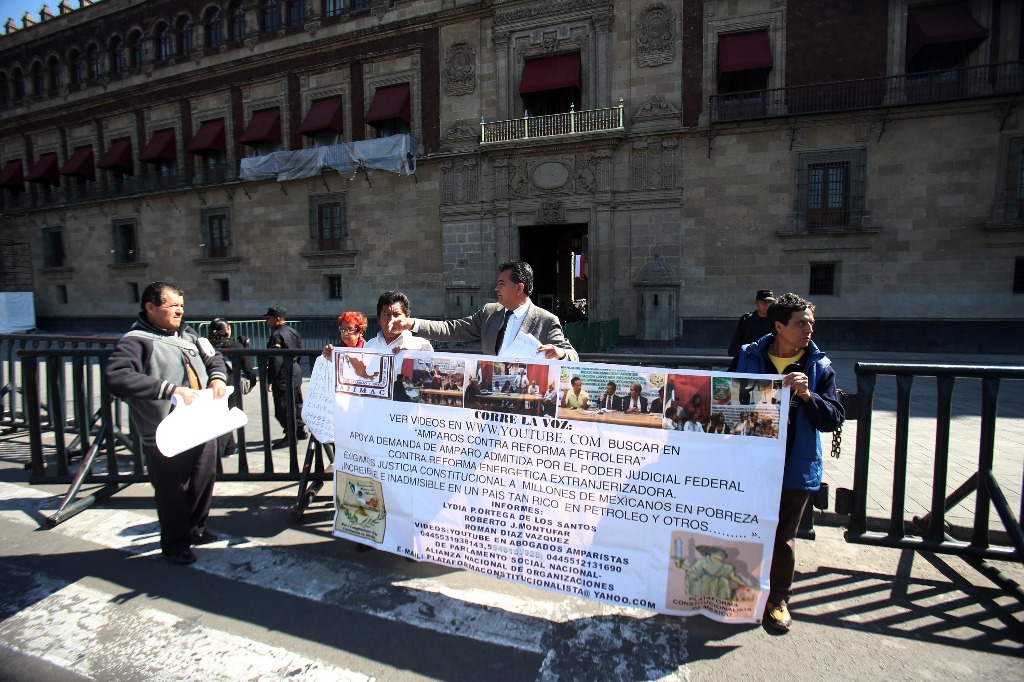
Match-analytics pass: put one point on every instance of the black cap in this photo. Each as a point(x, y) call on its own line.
point(276, 312)
point(765, 295)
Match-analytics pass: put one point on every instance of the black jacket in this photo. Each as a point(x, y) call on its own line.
point(284, 336)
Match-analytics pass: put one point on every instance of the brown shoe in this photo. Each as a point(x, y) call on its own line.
point(776, 616)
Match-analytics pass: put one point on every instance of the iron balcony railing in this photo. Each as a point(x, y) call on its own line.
point(533, 127)
point(870, 93)
point(113, 188)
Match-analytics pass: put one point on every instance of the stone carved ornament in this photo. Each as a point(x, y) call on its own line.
point(461, 131)
point(657, 108)
point(551, 211)
point(656, 35)
point(460, 70)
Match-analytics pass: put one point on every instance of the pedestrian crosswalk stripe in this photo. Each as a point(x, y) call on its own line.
point(83, 630)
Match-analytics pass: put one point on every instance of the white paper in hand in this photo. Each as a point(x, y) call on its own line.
point(524, 347)
point(190, 425)
point(318, 406)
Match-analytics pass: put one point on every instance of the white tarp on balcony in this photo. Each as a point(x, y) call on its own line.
point(17, 312)
point(395, 154)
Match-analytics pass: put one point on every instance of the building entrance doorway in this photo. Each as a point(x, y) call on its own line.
point(558, 254)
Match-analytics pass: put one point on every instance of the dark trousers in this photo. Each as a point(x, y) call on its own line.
point(280, 394)
point(183, 486)
point(791, 510)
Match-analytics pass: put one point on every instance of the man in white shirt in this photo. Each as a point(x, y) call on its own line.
point(392, 305)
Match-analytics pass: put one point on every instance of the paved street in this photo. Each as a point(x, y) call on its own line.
point(92, 599)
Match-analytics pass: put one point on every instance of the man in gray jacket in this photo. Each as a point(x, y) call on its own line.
point(157, 359)
point(497, 324)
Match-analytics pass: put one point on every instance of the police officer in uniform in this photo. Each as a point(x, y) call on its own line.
point(284, 336)
point(753, 325)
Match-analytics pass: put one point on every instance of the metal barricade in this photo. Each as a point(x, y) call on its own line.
point(929, 532)
point(105, 440)
point(12, 414)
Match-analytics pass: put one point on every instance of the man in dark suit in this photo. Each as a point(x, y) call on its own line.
point(634, 403)
point(497, 324)
point(608, 399)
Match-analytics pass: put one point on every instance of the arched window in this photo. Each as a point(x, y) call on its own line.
point(271, 16)
point(162, 42)
point(184, 36)
point(53, 80)
point(296, 10)
point(116, 55)
point(38, 85)
point(238, 23)
point(76, 74)
point(136, 49)
point(19, 84)
point(92, 63)
point(214, 28)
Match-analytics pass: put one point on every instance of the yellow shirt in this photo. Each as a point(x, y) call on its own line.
point(782, 363)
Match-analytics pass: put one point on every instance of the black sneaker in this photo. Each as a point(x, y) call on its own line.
point(206, 538)
point(183, 557)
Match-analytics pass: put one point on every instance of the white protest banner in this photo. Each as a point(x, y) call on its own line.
point(318, 407)
point(459, 467)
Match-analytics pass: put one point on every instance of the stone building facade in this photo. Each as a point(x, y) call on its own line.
point(657, 162)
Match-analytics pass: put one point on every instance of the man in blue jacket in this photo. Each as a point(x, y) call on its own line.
point(814, 407)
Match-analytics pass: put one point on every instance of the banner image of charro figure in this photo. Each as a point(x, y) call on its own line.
point(707, 573)
point(360, 507)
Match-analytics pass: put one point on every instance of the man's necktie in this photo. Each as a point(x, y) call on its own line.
point(501, 332)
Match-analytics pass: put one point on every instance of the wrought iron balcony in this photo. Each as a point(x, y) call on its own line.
point(535, 127)
point(118, 187)
point(870, 93)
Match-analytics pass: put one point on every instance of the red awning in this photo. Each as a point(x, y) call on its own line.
point(265, 126)
point(45, 170)
point(160, 147)
point(80, 164)
point(11, 176)
point(940, 25)
point(119, 156)
point(210, 138)
point(390, 102)
point(551, 73)
point(744, 51)
point(324, 114)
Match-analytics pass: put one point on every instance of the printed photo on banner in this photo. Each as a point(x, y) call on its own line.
point(745, 407)
point(510, 387)
point(713, 574)
point(431, 380)
point(688, 401)
point(359, 505)
point(611, 395)
point(364, 374)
